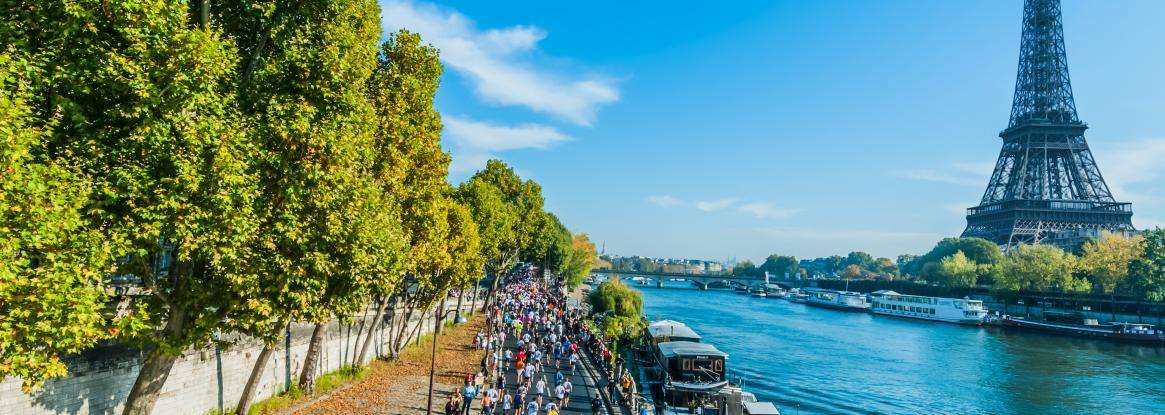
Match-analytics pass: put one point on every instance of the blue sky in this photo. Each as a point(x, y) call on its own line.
point(699, 130)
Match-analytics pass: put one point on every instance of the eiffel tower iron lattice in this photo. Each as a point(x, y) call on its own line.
point(1046, 187)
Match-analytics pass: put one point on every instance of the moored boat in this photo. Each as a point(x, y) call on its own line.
point(1120, 331)
point(837, 300)
point(758, 293)
point(775, 291)
point(951, 310)
point(687, 376)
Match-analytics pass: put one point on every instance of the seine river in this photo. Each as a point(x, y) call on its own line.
point(809, 360)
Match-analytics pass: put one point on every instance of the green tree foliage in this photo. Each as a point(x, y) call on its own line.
point(138, 99)
point(1039, 268)
point(411, 163)
point(1106, 260)
point(617, 298)
point(746, 269)
point(523, 199)
point(1148, 271)
point(978, 250)
point(550, 243)
point(495, 219)
point(861, 259)
point(885, 266)
point(581, 259)
point(957, 271)
point(51, 277)
point(780, 266)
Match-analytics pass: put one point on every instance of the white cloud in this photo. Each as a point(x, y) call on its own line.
point(765, 210)
point(493, 137)
point(665, 201)
point(475, 142)
point(714, 205)
point(501, 63)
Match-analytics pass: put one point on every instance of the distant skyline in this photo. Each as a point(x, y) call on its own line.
point(696, 130)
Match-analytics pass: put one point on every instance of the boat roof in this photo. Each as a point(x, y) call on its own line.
point(885, 292)
point(683, 348)
point(761, 408)
point(671, 328)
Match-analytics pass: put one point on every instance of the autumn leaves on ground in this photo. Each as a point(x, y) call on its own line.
point(401, 386)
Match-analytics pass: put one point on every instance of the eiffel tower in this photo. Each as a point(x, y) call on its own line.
point(1046, 187)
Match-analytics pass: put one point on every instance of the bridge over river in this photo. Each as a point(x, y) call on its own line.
point(701, 281)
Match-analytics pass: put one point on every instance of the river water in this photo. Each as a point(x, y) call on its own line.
point(809, 360)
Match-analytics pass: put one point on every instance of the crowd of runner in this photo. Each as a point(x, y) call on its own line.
point(548, 337)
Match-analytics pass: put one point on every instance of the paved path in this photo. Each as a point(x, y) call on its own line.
point(580, 398)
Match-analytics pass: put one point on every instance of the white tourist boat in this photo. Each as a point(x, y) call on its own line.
point(951, 310)
point(837, 300)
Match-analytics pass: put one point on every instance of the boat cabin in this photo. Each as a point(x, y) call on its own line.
point(1135, 328)
point(692, 363)
point(671, 331)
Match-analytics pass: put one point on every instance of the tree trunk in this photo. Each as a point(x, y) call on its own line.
point(417, 331)
point(457, 311)
point(155, 370)
point(433, 352)
point(253, 381)
point(375, 320)
point(401, 340)
point(307, 377)
point(147, 387)
point(360, 331)
point(476, 288)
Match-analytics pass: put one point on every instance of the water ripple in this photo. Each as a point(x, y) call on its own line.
point(815, 361)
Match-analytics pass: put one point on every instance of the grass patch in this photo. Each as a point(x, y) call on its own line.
point(324, 384)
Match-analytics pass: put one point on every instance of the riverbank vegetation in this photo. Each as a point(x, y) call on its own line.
point(1110, 265)
point(620, 308)
point(174, 173)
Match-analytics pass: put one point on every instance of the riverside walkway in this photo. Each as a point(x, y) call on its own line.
point(526, 302)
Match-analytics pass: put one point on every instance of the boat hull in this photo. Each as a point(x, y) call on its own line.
point(965, 322)
point(836, 306)
point(1082, 331)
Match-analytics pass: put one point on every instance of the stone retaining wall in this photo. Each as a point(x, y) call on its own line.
point(100, 379)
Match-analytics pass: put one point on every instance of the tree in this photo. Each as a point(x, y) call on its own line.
point(139, 100)
point(1148, 271)
point(462, 268)
point(581, 258)
point(1106, 260)
point(905, 263)
point(524, 197)
point(407, 140)
point(549, 244)
point(978, 250)
point(852, 271)
point(885, 266)
point(613, 296)
point(861, 259)
point(834, 264)
point(780, 266)
point(746, 269)
point(53, 272)
point(300, 82)
point(957, 271)
point(1039, 268)
point(495, 220)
